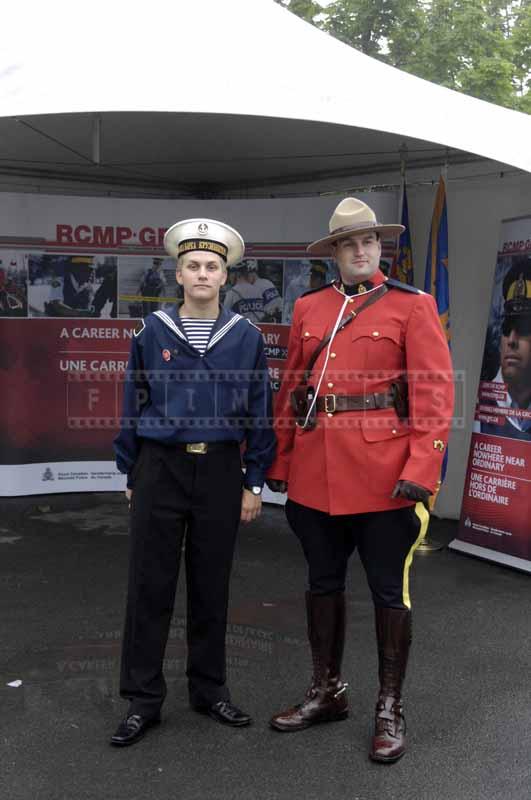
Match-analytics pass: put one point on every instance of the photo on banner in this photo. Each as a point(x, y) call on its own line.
point(301, 275)
point(146, 284)
point(254, 290)
point(497, 497)
point(13, 284)
point(72, 285)
point(506, 368)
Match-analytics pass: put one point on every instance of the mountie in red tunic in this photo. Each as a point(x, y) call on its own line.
point(351, 461)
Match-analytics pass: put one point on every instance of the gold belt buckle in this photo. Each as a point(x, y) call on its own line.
point(330, 403)
point(198, 448)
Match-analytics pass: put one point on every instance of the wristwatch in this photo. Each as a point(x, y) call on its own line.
point(257, 490)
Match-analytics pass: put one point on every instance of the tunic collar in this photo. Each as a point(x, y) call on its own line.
point(362, 287)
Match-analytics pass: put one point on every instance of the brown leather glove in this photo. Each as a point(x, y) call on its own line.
point(277, 486)
point(411, 491)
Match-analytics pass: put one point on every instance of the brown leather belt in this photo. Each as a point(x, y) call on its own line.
point(331, 403)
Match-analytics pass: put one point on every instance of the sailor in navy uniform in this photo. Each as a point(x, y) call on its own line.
point(196, 387)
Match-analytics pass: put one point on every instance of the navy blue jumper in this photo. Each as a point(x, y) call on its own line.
point(174, 394)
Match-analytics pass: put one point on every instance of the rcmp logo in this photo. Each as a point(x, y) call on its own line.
point(166, 355)
point(438, 444)
point(48, 475)
point(202, 228)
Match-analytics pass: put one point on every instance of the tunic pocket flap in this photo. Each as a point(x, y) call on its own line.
point(376, 332)
point(382, 433)
point(313, 333)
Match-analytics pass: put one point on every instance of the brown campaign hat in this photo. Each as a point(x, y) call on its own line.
point(351, 217)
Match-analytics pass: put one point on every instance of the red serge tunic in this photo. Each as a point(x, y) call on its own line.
point(350, 463)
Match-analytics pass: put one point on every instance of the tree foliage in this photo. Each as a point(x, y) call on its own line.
point(479, 47)
point(306, 9)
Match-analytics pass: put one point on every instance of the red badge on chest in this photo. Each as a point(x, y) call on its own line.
point(166, 355)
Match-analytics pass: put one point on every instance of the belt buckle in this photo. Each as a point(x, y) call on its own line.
point(198, 448)
point(330, 398)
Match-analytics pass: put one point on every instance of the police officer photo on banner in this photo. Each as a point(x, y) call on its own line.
point(145, 285)
point(196, 389)
point(13, 284)
point(363, 419)
point(72, 285)
point(506, 364)
point(254, 290)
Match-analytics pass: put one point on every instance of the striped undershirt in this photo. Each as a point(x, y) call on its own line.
point(198, 332)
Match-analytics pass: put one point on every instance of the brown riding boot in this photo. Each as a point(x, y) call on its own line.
point(326, 699)
point(393, 632)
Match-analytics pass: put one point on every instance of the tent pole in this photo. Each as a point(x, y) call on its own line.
point(96, 139)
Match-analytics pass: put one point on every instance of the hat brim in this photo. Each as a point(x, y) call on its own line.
point(323, 247)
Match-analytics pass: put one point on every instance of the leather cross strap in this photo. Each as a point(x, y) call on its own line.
point(360, 402)
point(343, 324)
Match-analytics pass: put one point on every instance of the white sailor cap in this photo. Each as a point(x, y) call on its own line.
point(204, 234)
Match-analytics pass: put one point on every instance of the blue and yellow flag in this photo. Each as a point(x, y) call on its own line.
point(402, 268)
point(436, 277)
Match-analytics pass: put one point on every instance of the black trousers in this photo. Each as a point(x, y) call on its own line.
point(385, 540)
point(176, 496)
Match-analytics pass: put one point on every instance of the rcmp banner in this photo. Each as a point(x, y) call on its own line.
point(496, 511)
point(76, 275)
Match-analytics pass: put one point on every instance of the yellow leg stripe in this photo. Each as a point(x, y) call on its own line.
point(424, 517)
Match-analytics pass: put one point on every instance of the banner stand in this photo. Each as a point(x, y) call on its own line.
point(495, 519)
point(490, 555)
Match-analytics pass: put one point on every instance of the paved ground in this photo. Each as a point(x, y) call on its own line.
point(62, 583)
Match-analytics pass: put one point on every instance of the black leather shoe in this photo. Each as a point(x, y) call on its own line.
point(227, 714)
point(132, 729)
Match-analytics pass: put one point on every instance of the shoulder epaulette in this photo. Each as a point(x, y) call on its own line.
point(404, 286)
point(319, 289)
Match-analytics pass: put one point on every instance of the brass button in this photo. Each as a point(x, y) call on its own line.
point(351, 300)
point(394, 430)
point(307, 333)
point(376, 333)
point(329, 415)
point(332, 355)
point(330, 385)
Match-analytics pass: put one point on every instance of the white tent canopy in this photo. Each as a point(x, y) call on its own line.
point(126, 93)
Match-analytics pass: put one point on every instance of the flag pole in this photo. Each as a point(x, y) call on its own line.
point(403, 163)
point(402, 265)
point(429, 545)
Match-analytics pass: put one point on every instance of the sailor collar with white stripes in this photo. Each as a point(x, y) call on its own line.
point(224, 323)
